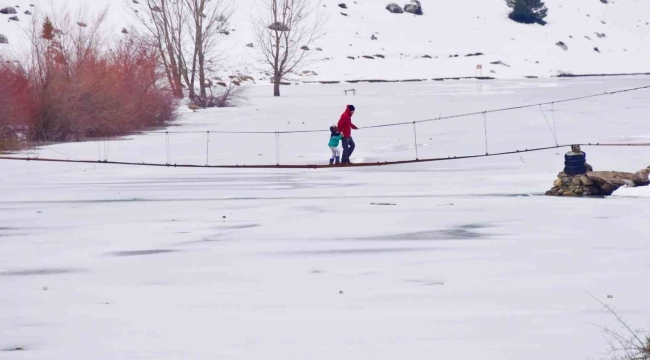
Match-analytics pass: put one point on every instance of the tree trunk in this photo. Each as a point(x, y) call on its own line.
point(276, 85)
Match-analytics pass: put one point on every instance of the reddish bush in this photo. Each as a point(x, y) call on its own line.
point(76, 85)
point(17, 106)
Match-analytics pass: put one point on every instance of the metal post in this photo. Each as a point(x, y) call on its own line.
point(277, 148)
point(486, 134)
point(168, 148)
point(207, 150)
point(415, 139)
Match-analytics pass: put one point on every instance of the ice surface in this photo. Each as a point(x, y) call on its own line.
point(470, 263)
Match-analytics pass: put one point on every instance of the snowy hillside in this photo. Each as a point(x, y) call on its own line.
point(425, 46)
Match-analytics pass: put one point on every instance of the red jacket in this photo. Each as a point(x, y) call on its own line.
point(345, 124)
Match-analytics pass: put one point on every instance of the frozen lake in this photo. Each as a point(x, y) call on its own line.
point(458, 259)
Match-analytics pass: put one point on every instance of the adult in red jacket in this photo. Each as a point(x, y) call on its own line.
point(345, 126)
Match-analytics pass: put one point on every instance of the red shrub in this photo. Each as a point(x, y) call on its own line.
point(17, 107)
point(76, 85)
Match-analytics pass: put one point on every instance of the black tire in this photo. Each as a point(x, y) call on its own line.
point(580, 156)
point(574, 163)
point(575, 170)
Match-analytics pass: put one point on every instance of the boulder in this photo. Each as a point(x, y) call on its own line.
point(8, 10)
point(304, 48)
point(597, 183)
point(278, 26)
point(3, 39)
point(394, 8)
point(14, 18)
point(343, 6)
point(414, 7)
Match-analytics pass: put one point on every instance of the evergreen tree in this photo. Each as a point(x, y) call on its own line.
point(528, 11)
point(47, 32)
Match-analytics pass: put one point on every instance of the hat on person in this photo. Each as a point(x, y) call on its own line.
point(351, 107)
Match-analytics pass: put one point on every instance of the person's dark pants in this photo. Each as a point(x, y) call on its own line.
point(348, 148)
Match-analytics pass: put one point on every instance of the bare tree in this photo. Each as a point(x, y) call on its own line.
point(163, 20)
point(284, 30)
point(625, 343)
point(187, 34)
point(208, 21)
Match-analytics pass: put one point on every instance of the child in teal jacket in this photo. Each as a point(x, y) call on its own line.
point(335, 138)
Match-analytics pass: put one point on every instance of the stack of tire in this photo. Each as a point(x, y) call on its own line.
point(575, 163)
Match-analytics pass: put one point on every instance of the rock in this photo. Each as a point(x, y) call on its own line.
point(499, 62)
point(319, 49)
point(245, 78)
point(584, 180)
point(394, 8)
point(610, 181)
point(8, 10)
point(278, 26)
point(3, 39)
point(250, 45)
point(343, 6)
point(414, 7)
point(589, 167)
point(125, 31)
point(562, 45)
point(14, 18)
point(596, 49)
point(304, 47)
point(351, 57)
point(27, 12)
point(597, 183)
point(82, 24)
point(368, 57)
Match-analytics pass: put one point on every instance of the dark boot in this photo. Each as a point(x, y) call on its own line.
point(338, 161)
point(332, 162)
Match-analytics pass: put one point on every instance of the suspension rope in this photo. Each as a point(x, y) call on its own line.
point(548, 124)
point(315, 166)
point(554, 127)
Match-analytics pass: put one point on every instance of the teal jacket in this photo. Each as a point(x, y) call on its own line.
point(334, 140)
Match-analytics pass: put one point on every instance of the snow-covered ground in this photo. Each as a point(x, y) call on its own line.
point(619, 29)
point(470, 262)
